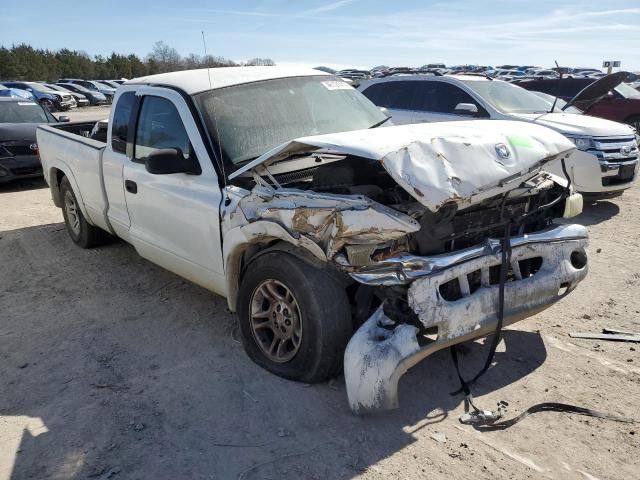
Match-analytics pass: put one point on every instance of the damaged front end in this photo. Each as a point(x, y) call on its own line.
point(411, 218)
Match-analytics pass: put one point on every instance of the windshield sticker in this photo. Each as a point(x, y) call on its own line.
point(26, 103)
point(336, 85)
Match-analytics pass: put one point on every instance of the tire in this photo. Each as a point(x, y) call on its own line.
point(323, 315)
point(81, 232)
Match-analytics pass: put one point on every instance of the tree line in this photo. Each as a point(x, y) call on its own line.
point(23, 62)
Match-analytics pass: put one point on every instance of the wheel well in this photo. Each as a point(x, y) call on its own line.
point(56, 178)
point(241, 260)
point(251, 254)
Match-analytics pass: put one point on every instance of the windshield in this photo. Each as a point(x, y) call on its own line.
point(251, 119)
point(37, 87)
point(103, 85)
point(76, 88)
point(508, 98)
point(559, 103)
point(22, 112)
point(627, 91)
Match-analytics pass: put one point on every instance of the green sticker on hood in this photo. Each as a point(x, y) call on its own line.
point(519, 142)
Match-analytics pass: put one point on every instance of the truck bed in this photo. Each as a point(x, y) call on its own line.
point(66, 148)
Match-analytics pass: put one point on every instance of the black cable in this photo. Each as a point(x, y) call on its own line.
point(551, 407)
point(465, 386)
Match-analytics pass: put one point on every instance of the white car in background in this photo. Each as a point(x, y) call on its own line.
point(605, 165)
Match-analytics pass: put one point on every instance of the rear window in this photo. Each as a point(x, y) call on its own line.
point(121, 116)
point(22, 112)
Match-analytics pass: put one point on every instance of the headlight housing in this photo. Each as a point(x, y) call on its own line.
point(582, 143)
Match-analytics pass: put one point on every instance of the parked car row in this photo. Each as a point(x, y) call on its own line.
point(19, 119)
point(63, 95)
point(504, 72)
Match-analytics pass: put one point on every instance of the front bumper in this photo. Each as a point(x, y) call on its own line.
point(65, 104)
point(595, 176)
point(380, 352)
point(20, 166)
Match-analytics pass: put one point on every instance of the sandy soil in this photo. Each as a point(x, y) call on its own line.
point(113, 368)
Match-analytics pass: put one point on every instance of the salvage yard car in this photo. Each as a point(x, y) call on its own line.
point(48, 98)
point(19, 119)
point(275, 188)
point(606, 164)
point(94, 97)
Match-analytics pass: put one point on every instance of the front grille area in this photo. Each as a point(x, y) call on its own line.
point(625, 175)
point(616, 153)
point(448, 230)
point(615, 149)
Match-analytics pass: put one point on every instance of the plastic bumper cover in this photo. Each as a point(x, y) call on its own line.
point(380, 352)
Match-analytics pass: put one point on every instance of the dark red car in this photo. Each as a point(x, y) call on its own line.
point(620, 102)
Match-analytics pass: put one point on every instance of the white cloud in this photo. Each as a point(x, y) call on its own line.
point(328, 7)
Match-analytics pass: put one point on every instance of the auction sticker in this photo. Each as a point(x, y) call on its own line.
point(336, 85)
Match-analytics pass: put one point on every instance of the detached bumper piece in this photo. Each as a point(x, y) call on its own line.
point(457, 295)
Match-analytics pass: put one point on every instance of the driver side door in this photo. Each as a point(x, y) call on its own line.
point(174, 217)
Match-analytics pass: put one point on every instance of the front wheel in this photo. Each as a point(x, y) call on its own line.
point(295, 320)
point(81, 232)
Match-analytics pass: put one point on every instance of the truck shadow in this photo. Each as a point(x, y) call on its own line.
point(135, 373)
point(21, 185)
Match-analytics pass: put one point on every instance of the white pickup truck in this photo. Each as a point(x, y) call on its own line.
point(274, 188)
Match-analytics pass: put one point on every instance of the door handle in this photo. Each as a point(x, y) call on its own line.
point(131, 186)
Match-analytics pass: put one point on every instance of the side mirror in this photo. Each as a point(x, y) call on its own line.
point(466, 109)
point(171, 160)
point(384, 110)
point(64, 119)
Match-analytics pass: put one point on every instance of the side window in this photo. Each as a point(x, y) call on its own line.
point(392, 94)
point(121, 117)
point(377, 93)
point(443, 97)
point(159, 127)
point(401, 95)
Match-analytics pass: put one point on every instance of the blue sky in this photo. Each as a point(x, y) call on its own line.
point(361, 33)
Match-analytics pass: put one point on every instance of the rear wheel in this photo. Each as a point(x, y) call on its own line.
point(81, 232)
point(295, 320)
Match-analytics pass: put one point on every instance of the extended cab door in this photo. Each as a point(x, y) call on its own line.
point(174, 218)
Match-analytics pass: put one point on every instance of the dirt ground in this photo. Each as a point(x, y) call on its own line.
point(113, 368)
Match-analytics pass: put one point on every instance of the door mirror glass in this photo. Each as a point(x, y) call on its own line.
point(64, 119)
point(171, 160)
point(466, 109)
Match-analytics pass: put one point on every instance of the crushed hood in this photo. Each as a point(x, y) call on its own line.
point(598, 89)
point(438, 163)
